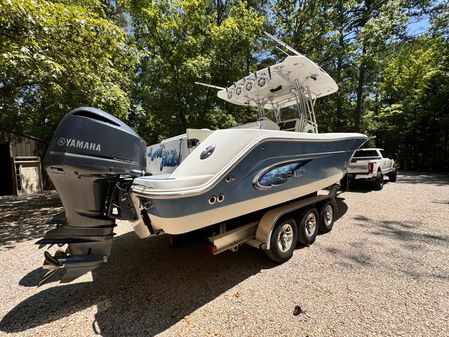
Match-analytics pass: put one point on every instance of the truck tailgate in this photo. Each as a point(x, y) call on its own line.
point(358, 167)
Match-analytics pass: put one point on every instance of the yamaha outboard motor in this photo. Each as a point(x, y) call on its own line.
point(91, 159)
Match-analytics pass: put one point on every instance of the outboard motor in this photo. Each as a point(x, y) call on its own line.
point(91, 159)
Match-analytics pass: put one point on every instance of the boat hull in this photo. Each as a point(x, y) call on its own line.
point(273, 172)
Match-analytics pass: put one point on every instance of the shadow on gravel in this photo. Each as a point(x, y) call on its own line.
point(362, 186)
point(406, 232)
point(144, 289)
point(346, 259)
point(342, 208)
point(443, 202)
point(405, 239)
point(423, 178)
point(24, 218)
point(33, 278)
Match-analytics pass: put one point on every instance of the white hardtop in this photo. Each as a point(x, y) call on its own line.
point(296, 81)
point(274, 87)
point(371, 149)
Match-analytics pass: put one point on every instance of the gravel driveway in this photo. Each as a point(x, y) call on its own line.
point(382, 271)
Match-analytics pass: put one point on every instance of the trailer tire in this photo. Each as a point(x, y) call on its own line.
point(378, 182)
point(308, 226)
point(327, 216)
point(392, 176)
point(283, 240)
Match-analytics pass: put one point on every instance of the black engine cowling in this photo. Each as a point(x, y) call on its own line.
point(91, 153)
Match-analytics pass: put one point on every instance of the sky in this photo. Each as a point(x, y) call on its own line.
point(418, 26)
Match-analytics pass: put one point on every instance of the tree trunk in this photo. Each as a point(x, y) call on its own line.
point(360, 83)
point(341, 41)
point(362, 71)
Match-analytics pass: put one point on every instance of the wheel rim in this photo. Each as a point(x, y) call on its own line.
point(310, 224)
point(285, 237)
point(328, 215)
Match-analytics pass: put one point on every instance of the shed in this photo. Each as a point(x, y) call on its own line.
point(21, 168)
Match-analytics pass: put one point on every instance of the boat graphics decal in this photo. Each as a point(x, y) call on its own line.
point(169, 157)
point(279, 174)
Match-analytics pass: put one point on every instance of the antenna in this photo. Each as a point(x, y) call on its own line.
point(210, 85)
point(283, 44)
point(282, 51)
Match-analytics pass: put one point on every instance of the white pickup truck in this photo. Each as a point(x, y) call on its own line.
point(373, 165)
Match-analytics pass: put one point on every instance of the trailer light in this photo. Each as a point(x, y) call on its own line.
point(370, 167)
point(170, 240)
point(210, 248)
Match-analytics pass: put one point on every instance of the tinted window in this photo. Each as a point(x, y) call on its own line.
point(289, 125)
point(383, 154)
point(366, 153)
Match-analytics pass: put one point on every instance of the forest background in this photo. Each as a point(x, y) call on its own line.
point(139, 61)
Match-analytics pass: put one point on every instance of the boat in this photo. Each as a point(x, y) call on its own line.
point(103, 170)
point(208, 176)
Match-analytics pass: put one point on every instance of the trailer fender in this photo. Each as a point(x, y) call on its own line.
point(269, 219)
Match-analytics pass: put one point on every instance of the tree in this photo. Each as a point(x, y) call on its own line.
point(414, 118)
point(55, 57)
point(186, 41)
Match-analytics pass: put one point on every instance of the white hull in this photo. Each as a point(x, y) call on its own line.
point(249, 170)
point(195, 221)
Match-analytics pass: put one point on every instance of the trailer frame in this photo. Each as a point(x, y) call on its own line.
point(258, 234)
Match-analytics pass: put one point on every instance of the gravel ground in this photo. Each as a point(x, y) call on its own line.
point(382, 271)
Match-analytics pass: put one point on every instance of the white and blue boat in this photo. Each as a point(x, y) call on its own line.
point(204, 177)
point(103, 170)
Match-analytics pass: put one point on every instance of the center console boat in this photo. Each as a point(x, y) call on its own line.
point(103, 171)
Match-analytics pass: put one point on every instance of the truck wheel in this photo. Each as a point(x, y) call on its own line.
point(392, 176)
point(308, 226)
point(326, 217)
point(283, 240)
point(378, 183)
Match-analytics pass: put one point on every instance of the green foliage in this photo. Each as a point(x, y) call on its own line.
point(140, 59)
point(183, 42)
point(55, 57)
point(414, 118)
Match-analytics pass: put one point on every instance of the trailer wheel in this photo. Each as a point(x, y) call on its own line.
point(326, 217)
point(308, 226)
point(378, 183)
point(283, 240)
point(392, 176)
